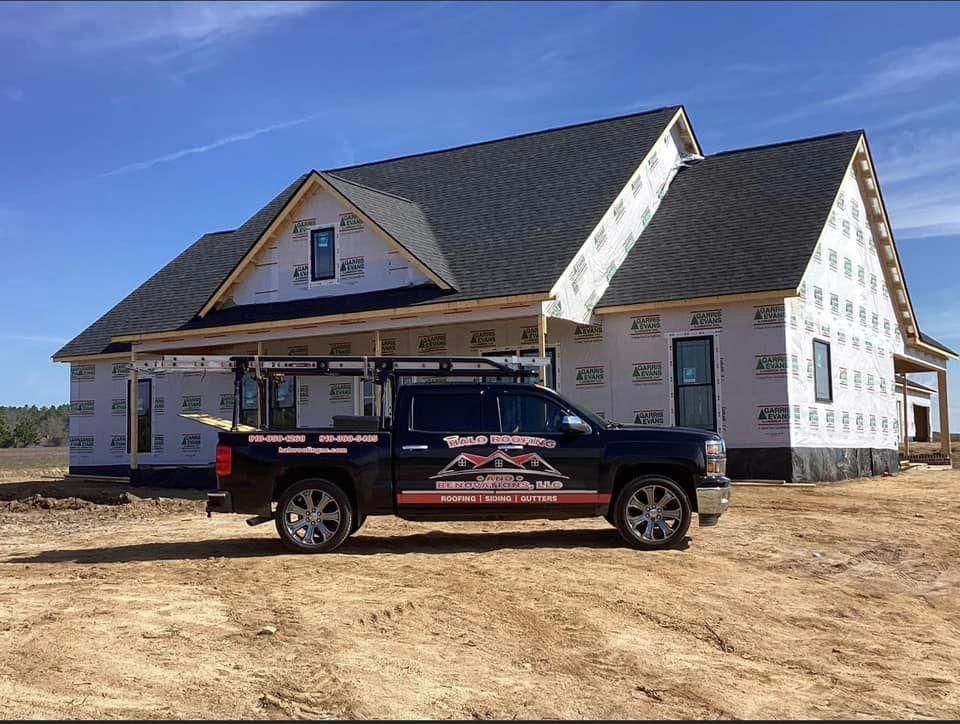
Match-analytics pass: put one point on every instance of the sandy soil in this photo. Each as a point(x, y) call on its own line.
point(835, 601)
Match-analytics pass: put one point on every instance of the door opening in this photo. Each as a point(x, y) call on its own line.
point(694, 386)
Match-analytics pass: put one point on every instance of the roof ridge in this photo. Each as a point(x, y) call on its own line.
point(792, 142)
point(364, 186)
point(508, 138)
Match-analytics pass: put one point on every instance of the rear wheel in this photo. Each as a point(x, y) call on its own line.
point(314, 516)
point(652, 512)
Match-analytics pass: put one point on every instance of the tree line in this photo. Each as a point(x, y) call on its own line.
point(30, 425)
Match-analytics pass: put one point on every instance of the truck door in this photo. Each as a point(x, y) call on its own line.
point(562, 465)
point(489, 451)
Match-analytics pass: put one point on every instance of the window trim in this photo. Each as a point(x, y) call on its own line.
point(816, 393)
point(313, 254)
point(713, 377)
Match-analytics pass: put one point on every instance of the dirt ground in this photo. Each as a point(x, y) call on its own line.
point(835, 601)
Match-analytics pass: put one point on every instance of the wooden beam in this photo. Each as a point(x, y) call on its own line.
point(542, 343)
point(698, 301)
point(468, 305)
point(906, 427)
point(132, 405)
point(944, 412)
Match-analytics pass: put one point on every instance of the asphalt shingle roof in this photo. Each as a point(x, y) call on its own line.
point(736, 222)
point(496, 218)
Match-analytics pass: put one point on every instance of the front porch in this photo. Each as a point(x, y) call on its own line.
point(923, 359)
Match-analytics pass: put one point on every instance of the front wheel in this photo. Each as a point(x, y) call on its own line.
point(314, 516)
point(652, 512)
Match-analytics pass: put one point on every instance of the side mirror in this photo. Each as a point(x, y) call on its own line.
point(574, 424)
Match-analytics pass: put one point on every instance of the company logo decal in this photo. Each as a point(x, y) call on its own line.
point(770, 365)
point(647, 372)
point(432, 343)
point(648, 417)
point(458, 441)
point(300, 273)
point(528, 335)
point(79, 373)
point(388, 346)
point(707, 319)
point(302, 226)
point(120, 370)
point(350, 222)
point(769, 315)
point(118, 406)
point(82, 408)
point(483, 338)
point(341, 391)
point(645, 326)
point(225, 402)
point(588, 333)
point(190, 442)
point(352, 267)
point(118, 444)
point(191, 403)
point(592, 376)
point(339, 348)
point(81, 443)
point(773, 415)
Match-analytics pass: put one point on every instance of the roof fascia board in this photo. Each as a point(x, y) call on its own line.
point(442, 307)
point(938, 351)
point(312, 180)
point(864, 145)
point(241, 266)
point(697, 301)
point(225, 343)
point(92, 357)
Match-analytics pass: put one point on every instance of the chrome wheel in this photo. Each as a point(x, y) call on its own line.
point(654, 513)
point(312, 517)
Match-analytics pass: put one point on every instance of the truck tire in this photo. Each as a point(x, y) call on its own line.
point(314, 516)
point(652, 512)
point(358, 520)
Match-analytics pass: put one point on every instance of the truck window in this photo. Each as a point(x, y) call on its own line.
point(445, 412)
point(528, 414)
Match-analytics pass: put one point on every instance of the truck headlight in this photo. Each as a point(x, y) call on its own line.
point(716, 452)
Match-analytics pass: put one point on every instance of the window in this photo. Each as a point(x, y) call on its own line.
point(323, 263)
point(250, 402)
point(822, 382)
point(528, 414)
point(144, 418)
point(446, 412)
point(283, 404)
point(369, 398)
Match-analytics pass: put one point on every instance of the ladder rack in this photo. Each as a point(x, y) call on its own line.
point(369, 367)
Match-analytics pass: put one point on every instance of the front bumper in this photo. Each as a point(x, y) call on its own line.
point(713, 502)
point(219, 501)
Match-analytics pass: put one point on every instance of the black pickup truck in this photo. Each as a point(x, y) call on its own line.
point(473, 451)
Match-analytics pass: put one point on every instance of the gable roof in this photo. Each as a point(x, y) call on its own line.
point(736, 222)
point(475, 215)
point(930, 341)
point(401, 219)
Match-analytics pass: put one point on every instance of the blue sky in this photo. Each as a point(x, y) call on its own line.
point(126, 131)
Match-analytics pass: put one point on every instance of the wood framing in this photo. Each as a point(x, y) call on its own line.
point(697, 301)
point(313, 181)
point(467, 305)
point(942, 399)
point(133, 429)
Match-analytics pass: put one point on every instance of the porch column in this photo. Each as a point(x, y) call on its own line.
point(944, 412)
point(133, 405)
point(542, 344)
point(377, 352)
point(906, 427)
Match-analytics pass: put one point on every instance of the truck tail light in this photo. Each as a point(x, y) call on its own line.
point(224, 460)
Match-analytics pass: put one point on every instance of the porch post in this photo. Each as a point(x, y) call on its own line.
point(906, 427)
point(377, 351)
point(542, 344)
point(944, 412)
point(134, 404)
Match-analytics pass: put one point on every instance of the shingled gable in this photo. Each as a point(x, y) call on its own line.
point(491, 207)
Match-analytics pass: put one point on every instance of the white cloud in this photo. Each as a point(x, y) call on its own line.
point(166, 31)
point(905, 68)
point(917, 155)
point(33, 338)
point(921, 114)
point(219, 143)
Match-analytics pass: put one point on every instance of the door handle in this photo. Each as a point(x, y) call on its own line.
point(509, 447)
point(415, 447)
